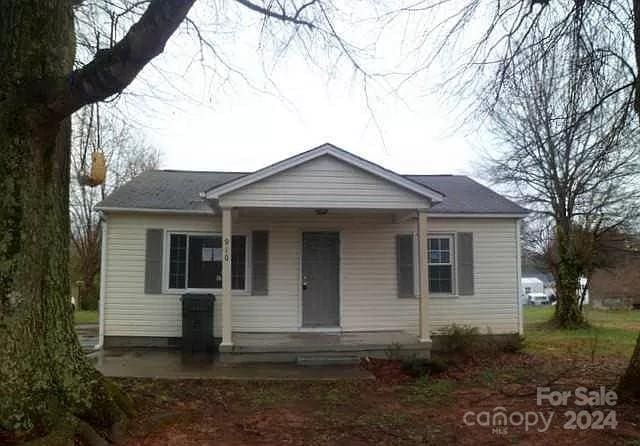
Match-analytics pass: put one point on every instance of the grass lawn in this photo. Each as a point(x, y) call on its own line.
point(85, 317)
point(613, 333)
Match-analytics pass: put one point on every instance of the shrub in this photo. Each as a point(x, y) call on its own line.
point(512, 344)
point(467, 340)
point(460, 338)
point(417, 367)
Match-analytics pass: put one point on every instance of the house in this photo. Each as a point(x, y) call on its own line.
point(321, 252)
point(616, 285)
point(617, 288)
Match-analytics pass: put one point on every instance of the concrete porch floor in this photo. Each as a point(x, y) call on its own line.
point(288, 347)
point(173, 364)
point(312, 341)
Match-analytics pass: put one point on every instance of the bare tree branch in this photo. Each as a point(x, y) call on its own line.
point(112, 70)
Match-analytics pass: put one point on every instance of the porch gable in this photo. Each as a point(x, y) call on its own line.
point(325, 177)
point(325, 182)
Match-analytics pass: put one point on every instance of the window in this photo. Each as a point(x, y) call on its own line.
point(195, 261)
point(441, 264)
point(177, 260)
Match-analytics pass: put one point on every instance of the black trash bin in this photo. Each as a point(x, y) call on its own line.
point(197, 322)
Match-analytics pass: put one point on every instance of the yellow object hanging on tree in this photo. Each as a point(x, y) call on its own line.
point(98, 173)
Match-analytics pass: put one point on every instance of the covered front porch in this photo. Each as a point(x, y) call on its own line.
point(333, 244)
point(336, 276)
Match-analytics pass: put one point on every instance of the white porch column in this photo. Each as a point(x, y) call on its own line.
point(423, 272)
point(227, 341)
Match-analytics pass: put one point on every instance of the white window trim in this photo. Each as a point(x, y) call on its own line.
point(453, 261)
point(166, 264)
point(416, 262)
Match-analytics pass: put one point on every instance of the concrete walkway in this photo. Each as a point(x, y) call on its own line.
point(171, 364)
point(88, 336)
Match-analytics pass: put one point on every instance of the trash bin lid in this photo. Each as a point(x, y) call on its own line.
point(199, 296)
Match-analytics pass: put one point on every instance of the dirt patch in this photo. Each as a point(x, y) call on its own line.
point(386, 371)
point(392, 410)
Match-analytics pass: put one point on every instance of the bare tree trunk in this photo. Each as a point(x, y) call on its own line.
point(45, 379)
point(568, 312)
point(629, 387)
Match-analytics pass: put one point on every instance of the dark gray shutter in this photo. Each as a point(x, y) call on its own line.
point(465, 263)
point(404, 258)
point(153, 262)
point(259, 263)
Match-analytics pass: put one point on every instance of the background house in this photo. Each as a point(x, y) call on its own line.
point(617, 285)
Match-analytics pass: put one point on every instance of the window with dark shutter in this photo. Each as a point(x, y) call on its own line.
point(177, 260)
point(238, 262)
point(260, 263)
point(404, 258)
point(153, 262)
point(465, 264)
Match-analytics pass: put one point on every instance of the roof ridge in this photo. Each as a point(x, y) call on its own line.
point(200, 171)
point(432, 175)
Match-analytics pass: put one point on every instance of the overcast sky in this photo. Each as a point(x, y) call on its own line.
point(216, 120)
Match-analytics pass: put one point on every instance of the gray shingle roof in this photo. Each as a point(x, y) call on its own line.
point(466, 196)
point(180, 190)
point(167, 189)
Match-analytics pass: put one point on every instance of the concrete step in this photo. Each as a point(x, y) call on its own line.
point(320, 359)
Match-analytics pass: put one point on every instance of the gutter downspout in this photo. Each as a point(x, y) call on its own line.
point(103, 281)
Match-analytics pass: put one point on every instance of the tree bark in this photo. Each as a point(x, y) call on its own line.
point(45, 380)
point(630, 383)
point(629, 387)
point(568, 313)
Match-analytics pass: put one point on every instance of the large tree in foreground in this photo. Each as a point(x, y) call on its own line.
point(45, 380)
point(571, 158)
point(47, 386)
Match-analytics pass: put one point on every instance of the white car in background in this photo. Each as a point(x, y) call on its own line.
point(537, 299)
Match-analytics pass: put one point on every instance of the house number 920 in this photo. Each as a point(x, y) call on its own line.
point(226, 249)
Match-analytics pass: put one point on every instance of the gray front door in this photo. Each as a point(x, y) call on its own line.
point(320, 279)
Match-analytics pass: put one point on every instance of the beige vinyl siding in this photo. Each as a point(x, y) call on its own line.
point(494, 306)
point(325, 182)
point(128, 310)
point(368, 274)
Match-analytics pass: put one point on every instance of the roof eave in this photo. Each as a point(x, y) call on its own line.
point(116, 209)
point(510, 215)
